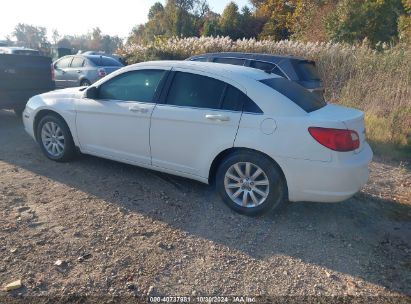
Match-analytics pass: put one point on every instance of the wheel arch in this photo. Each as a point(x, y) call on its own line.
point(223, 154)
point(84, 78)
point(44, 112)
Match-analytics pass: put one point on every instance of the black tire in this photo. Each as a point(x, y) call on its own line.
point(276, 189)
point(69, 147)
point(85, 83)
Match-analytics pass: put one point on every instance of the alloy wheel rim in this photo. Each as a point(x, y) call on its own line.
point(52, 138)
point(246, 184)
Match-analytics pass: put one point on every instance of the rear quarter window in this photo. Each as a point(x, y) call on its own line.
point(307, 71)
point(305, 99)
point(235, 100)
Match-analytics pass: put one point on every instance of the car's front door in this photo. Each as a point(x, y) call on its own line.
point(195, 121)
point(60, 72)
point(116, 124)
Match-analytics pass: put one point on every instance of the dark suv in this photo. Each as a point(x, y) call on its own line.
point(297, 69)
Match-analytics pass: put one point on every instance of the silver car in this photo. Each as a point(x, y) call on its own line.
point(82, 70)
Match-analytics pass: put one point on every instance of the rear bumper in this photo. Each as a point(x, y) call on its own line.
point(327, 181)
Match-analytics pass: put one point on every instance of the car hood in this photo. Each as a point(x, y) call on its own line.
point(66, 93)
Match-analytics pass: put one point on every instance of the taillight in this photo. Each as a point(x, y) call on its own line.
point(53, 75)
point(101, 72)
point(336, 139)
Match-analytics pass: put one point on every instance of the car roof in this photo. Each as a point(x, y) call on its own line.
point(224, 70)
point(257, 56)
point(17, 48)
point(93, 56)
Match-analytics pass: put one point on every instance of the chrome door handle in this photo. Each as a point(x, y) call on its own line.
point(217, 117)
point(138, 109)
point(78, 71)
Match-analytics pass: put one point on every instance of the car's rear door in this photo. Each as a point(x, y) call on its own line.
point(116, 124)
point(193, 123)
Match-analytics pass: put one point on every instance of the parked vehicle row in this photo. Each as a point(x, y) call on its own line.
point(261, 138)
point(82, 70)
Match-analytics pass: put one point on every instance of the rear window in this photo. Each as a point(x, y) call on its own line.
point(307, 71)
point(104, 61)
point(307, 100)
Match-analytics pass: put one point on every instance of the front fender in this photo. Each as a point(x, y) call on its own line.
point(38, 106)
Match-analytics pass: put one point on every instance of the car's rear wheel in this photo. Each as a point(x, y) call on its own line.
point(250, 183)
point(85, 83)
point(55, 138)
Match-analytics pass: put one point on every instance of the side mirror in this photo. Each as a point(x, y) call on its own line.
point(91, 93)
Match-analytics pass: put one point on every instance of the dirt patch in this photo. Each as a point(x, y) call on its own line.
point(96, 227)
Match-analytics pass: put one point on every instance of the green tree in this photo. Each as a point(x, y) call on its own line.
point(404, 23)
point(355, 20)
point(179, 20)
point(249, 25)
point(109, 44)
point(277, 17)
point(155, 10)
point(211, 26)
point(96, 39)
point(29, 35)
point(230, 21)
point(56, 36)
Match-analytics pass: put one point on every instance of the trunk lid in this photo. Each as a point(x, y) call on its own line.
point(353, 119)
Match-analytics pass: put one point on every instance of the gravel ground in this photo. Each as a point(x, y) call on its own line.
point(97, 227)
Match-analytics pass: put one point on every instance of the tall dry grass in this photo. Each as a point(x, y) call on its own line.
point(378, 82)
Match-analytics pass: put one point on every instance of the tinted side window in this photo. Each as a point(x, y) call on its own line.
point(201, 59)
point(307, 100)
point(266, 66)
point(77, 62)
point(64, 63)
point(132, 86)
point(104, 61)
point(235, 100)
point(261, 65)
point(234, 61)
point(191, 90)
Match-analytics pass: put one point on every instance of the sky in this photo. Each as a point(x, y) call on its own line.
point(77, 17)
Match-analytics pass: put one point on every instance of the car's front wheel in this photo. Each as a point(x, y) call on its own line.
point(250, 183)
point(55, 138)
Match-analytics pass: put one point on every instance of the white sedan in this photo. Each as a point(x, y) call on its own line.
point(260, 138)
